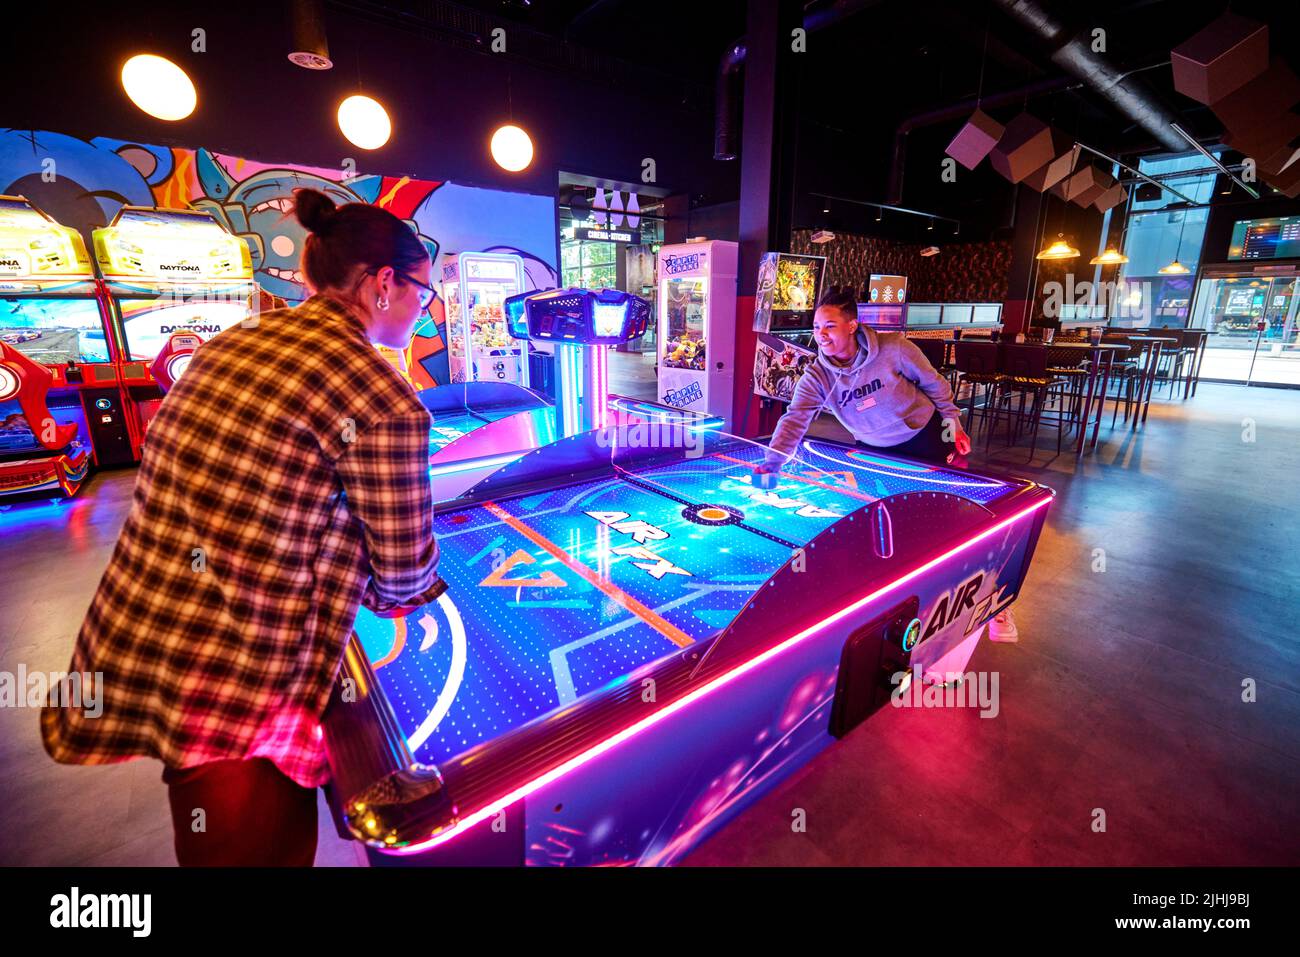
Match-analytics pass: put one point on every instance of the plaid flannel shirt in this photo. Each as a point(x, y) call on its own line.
point(284, 482)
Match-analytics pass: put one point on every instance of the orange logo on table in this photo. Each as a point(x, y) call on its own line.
point(496, 578)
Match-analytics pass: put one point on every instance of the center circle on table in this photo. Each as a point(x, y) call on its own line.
point(713, 514)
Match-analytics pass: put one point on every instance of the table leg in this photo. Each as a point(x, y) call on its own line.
point(1101, 404)
point(1094, 366)
point(1156, 347)
point(1200, 354)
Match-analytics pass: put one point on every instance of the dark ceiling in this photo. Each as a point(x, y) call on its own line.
point(882, 61)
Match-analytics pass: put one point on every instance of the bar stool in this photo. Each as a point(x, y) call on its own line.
point(1025, 374)
point(936, 353)
point(977, 365)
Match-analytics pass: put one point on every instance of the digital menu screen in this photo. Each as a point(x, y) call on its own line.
point(1277, 238)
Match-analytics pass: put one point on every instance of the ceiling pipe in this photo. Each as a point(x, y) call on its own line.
point(728, 97)
point(729, 87)
point(1073, 53)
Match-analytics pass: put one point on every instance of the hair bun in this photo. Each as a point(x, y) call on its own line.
point(314, 210)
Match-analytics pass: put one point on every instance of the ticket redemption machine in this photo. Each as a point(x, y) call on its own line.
point(475, 287)
point(697, 314)
point(61, 406)
point(786, 298)
point(174, 278)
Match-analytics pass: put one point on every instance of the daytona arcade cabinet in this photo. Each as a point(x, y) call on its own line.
point(61, 404)
point(168, 271)
point(788, 289)
point(697, 313)
point(475, 287)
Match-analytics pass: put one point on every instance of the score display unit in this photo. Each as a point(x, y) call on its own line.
point(697, 312)
point(789, 287)
point(475, 287)
point(60, 402)
point(168, 271)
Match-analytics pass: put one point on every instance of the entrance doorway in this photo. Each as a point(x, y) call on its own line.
point(1250, 314)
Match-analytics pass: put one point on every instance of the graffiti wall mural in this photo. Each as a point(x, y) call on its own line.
point(83, 183)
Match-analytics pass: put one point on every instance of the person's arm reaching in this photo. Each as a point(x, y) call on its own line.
point(808, 399)
point(385, 475)
point(913, 365)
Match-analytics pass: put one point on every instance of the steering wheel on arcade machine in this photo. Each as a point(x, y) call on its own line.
point(29, 382)
point(174, 358)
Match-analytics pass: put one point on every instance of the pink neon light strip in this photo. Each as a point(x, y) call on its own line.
point(722, 680)
point(600, 376)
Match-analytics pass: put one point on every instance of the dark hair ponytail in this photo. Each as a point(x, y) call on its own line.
point(342, 239)
point(841, 298)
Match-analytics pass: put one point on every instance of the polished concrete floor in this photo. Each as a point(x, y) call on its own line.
point(1121, 704)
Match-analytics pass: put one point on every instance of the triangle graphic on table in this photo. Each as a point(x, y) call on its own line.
point(497, 577)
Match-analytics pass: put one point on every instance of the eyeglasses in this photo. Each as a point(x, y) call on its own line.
point(427, 295)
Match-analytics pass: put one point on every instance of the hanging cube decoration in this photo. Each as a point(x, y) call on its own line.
point(1058, 168)
point(1111, 198)
point(975, 139)
point(1230, 52)
point(1263, 102)
point(1085, 185)
point(1026, 145)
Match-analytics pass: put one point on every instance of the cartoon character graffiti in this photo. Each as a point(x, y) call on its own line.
point(259, 209)
point(83, 183)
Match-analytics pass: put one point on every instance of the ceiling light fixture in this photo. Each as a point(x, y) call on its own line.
point(1058, 250)
point(1111, 257)
point(512, 148)
point(364, 121)
point(159, 87)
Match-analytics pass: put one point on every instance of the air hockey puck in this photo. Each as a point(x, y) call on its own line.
point(713, 514)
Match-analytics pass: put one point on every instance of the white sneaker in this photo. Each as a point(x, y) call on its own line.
point(1003, 627)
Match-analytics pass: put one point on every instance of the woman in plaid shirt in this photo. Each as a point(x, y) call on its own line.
point(284, 483)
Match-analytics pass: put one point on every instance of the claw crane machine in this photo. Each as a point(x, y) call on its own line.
point(475, 287)
point(697, 317)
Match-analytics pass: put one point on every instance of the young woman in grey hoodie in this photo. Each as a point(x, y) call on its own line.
point(878, 384)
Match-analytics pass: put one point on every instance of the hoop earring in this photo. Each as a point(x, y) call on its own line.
point(382, 303)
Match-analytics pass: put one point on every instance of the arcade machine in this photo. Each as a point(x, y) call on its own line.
point(788, 289)
point(475, 287)
point(61, 406)
point(174, 278)
point(480, 426)
point(885, 308)
point(697, 313)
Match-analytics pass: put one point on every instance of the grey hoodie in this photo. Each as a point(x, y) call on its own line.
point(884, 396)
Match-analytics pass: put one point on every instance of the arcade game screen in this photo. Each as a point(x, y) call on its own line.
point(54, 331)
point(150, 322)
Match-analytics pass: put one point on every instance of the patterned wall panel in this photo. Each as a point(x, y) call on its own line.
point(962, 272)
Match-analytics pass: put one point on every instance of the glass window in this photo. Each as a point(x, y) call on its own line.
point(924, 315)
point(1156, 236)
point(684, 346)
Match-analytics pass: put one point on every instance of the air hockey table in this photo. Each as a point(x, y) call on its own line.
point(480, 426)
point(637, 641)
